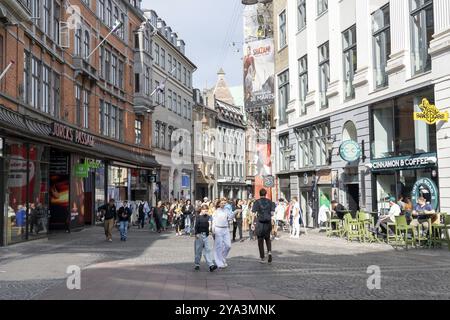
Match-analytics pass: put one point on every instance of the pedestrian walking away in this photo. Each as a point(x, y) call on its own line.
point(109, 213)
point(202, 245)
point(188, 211)
point(141, 215)
point(221, 230)
point(237, 221)
point(264, 209)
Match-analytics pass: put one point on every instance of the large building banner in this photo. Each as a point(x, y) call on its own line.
point(259, 63)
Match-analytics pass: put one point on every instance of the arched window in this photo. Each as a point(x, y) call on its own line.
point(349, 131)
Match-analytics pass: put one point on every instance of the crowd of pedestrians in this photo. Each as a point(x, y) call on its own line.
point(222, 220)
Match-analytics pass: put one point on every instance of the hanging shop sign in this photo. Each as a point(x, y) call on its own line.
point(404, 163)
point(73, 135)
point(269, 181)
point(430, 113)
point(81, 170)
point(426, 188)
point(94, 164)
point(350, 151)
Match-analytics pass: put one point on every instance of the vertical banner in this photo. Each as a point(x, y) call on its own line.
point(263, 176)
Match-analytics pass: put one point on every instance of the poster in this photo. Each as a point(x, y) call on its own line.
point(263, 168)
point(258, 22)
point(59, 198)
point(259, 71)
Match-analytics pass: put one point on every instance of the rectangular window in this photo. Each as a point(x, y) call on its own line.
point(147, 81)
point(179, 105)
point(422, 33)
point(101, 9)
point(381, 45)
point(121, 128)
point(157, 54)
point(107, 120)
point(282, 30)
point(78, 105)
point(169, 137)
point(189, 79)
point(162, 139)
point(174, 68)
point(324, 73)
point(301, 14)
point(303, 82)
point(169, 62)
point(46, 92)
point(138, 131)
point(101, 117)
point(156, 134)
point(284, 153)
point(109, 14)
point(184, 76)
point(35, 81)
point(77, 48)
point(184, 112)
point(121, 75)
point(137, 87)
point(112, 132)
point(56, 94)
point(56, 19)
point(36, 10)
point(163, 58)
point(350, 60)
point(169, 100)
point(108, 65)
point(114, 70)
point(157, 94)
point(283, 94)
point(189, 111)
point(322, 6)
point(174, 102)
point(26, 77)
point(85, 109)
point(179, 71)
point(46, 17)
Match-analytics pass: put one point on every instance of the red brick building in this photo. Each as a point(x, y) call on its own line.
point(70, 136)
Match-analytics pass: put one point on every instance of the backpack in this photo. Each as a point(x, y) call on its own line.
point(265, 209)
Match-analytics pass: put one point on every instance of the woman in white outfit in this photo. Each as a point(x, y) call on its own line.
point(296, 219)
point(221, 232)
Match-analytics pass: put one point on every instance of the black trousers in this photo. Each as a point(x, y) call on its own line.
point(263, 231)
point(237, 225)
point(158, 218)
point(141, 221)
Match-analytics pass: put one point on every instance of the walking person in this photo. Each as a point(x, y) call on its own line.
point(124, 216)
point(237, 221)
point(221, 231)
point(188, 211)
point(110, 215)
point(201, 230)
point(141, 215)
point(295, 233)
point(264, 209)
point(158, 216)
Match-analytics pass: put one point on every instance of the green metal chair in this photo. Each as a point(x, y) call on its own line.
point(437, 229)
point(402, 230)
point(391, 237)
point(337, 223)
point(420, 237)
point(367, 222)
point(353, 228)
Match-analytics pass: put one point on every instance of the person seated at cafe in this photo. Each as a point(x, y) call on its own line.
point(408, 208)
point(394, 211)
point(421, 213)
point(338, 209)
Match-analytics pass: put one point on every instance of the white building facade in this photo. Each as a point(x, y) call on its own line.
point(172, 116)
point(358, 71)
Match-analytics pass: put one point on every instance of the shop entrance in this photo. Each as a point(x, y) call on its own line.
point(306, 204)
point(353, 198)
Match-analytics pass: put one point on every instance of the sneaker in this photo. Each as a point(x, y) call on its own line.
point(212, 268)
point(197, 268)
point(269, 260)
point(262, 261)
point(110, 240)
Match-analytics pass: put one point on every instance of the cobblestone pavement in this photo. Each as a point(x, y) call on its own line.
point(152, 266)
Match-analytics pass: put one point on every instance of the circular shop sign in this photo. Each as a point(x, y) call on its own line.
point(426, 188)
point(269, 182)
point(350, 151)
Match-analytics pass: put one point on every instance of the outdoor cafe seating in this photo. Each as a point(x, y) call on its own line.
point(400, 233)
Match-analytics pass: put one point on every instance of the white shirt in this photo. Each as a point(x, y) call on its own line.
point(279, 211)
point(394, 211)
point(221, 217)
point(296, 210)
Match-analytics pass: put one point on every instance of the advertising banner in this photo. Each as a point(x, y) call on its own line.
point(259, 63)
point(263, 177)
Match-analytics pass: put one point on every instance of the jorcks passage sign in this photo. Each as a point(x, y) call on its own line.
point(404, 163)
point(73, 135)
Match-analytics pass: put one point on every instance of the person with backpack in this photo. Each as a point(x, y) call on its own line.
point(264, 209)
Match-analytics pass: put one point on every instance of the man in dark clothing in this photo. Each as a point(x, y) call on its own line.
point(264, 208)
point(188, 211)
point(201, 230)
point(110, 214)
point(237, 222)
point(157, 215)
point(338, 209)
point(141, 216)
point(124, 216)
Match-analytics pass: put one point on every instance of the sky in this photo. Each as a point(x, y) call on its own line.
point(209, 28)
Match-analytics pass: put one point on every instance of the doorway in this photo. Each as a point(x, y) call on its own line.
point(353, 198)
point(306, 205)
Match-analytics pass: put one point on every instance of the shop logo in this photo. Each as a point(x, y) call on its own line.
point(430, 114)
point(350, 151)
point(426, 188)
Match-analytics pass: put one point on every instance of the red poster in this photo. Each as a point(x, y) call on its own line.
point(263, 167)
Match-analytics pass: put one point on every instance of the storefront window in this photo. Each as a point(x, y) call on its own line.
point(395, 133)
point(26, 191)
point(99, 188)
point(118, 183)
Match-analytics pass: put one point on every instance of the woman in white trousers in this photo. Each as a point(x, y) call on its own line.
point(221, 233)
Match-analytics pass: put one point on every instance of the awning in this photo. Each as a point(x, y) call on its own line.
point(28, 127)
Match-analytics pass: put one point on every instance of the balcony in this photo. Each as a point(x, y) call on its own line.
point(84, 68)
point(142, 104)
point(19, 8)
